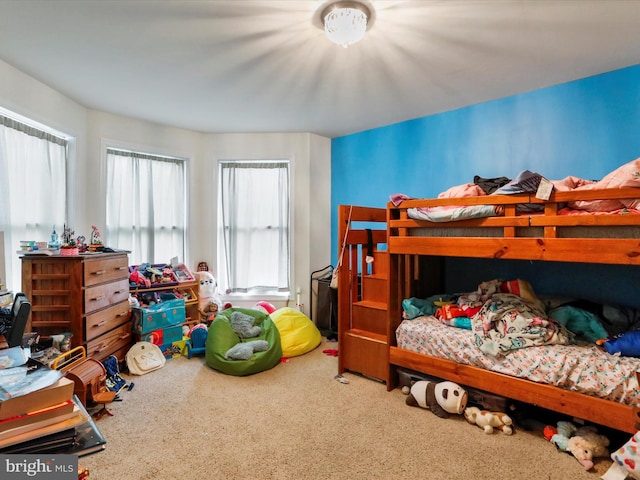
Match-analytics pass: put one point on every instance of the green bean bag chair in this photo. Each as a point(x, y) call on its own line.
point(222, 339)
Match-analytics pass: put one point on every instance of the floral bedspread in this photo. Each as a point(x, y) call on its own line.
point(584, 369)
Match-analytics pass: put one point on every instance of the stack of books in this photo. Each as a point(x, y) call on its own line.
point(39, 412)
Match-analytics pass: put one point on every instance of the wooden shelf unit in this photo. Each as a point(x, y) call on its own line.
point(188, 289)
point(87, 296)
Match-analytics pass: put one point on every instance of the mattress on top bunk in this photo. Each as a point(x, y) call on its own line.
point(630, 231)
point(585, 369)
point(625, 176)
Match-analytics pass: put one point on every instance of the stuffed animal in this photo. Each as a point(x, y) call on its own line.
point(243, 325)
point(489, 421)
point(208, 300)
point(626, 343)
point(442, 398)
point(244, 351)
point(584, 443)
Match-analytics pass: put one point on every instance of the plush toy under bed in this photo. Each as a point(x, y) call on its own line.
point(243, 342)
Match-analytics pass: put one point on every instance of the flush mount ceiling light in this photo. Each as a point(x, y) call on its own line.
point(345, 23)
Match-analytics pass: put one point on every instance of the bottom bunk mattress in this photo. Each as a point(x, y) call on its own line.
point(585, 369)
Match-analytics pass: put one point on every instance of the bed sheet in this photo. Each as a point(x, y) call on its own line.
point(581, 368)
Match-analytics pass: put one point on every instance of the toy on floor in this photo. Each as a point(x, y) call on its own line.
point(197, 341)
point(442, 398)
point(489, 421)
point(584, 443)
point(265, 307)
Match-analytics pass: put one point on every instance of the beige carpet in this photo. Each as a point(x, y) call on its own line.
point(295, 421)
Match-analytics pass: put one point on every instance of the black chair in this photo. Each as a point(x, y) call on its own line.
point(20, 313)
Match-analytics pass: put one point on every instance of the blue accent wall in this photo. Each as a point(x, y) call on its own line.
point(585, 128)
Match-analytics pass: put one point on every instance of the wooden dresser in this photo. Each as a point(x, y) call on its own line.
point(85, 295)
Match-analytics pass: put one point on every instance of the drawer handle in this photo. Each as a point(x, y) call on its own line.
point(122, 268)
point(101, 297)
point(123, 314)
point(126, 335)
point(99, 272)
point(100, 324)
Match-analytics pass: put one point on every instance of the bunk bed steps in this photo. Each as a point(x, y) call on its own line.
point(375, 289)
point(369, 316)
point(365, 352)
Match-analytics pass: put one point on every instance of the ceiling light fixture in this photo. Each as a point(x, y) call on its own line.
point(345, 23)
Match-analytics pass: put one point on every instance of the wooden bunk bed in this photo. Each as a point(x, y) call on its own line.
point(408, 262)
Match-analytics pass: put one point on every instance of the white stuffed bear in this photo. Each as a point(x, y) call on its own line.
point(209, 302)
point(441, 398)
point(489, 420)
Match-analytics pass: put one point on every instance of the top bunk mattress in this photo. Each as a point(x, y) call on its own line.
point(528, 200)
point(584, 369)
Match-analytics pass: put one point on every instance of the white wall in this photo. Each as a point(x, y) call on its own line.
point(310, 157)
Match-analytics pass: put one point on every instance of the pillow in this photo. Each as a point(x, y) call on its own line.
point(298, 333)
point(628, 175)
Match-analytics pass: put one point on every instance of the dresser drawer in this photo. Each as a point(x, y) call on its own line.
point(103, 270)
point(103, 346)
point(100, 322)
point(101, 296)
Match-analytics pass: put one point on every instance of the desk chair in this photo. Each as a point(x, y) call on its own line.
point(19, 313)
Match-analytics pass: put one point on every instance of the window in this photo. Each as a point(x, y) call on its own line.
point(253, 226)
point(146, 206)
point(33, 188)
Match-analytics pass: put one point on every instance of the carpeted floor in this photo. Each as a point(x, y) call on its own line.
point(295, 421)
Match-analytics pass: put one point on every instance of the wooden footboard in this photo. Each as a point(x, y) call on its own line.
point(592, 409)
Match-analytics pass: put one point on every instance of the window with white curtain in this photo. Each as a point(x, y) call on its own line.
point(33, 189)
point(253, 226)
point(146, 206)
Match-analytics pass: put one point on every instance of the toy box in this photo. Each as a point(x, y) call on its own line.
point(161, 336)
point(159, 316)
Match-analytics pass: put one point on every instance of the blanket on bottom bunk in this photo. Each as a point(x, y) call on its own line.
point(581, 368)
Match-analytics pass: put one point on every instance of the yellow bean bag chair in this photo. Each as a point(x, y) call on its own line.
point(298, 334)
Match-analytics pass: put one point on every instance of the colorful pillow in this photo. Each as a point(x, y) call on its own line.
point(626, 461)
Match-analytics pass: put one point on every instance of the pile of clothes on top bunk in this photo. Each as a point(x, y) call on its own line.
point(627, 175)
point(507, 315)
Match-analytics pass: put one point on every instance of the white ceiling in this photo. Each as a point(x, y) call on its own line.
point(266, 66)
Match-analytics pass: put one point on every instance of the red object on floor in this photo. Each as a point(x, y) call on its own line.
point(331, 352)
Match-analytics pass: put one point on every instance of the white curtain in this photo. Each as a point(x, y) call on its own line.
point(33, 190)
point(146, 206)
point(253, 226)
